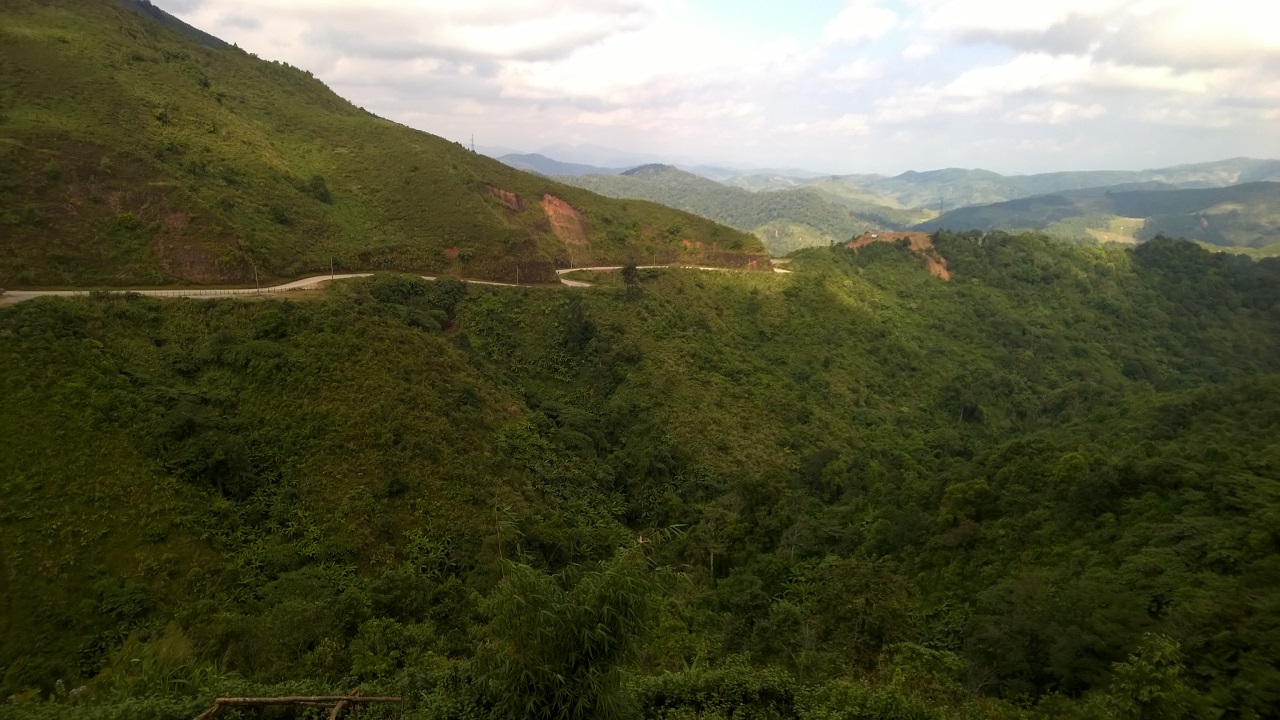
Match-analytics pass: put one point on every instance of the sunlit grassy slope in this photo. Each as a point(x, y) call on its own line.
point(1246, 215)
point(133, 152)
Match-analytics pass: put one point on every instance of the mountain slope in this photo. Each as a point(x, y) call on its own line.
point(785, 220)
point(134, 152)
point(1246, 215)
point(955, 187)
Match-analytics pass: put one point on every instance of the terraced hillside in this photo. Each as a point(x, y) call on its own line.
point(136, 151)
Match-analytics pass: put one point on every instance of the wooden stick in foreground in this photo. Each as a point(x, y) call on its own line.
point(340, 702)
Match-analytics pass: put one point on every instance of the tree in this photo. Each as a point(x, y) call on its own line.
point(557, 643)
point(631, 276)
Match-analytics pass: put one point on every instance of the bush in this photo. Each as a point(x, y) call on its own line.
point(318, 189)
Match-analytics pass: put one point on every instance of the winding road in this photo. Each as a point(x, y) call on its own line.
point(13, 297)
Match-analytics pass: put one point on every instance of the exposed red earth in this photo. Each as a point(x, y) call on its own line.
point(920, 244)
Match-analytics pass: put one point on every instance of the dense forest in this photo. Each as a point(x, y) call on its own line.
point(1049, 487)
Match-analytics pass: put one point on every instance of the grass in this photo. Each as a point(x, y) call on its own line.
point(131, 154)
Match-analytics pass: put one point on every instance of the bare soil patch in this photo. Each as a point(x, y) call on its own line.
point(507, 198)
point(566, 222)
point(920, 244)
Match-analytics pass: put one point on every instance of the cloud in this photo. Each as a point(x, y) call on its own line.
point(856, 71)
point(1055, 113)
point(1182, 34)
point(481, 29)
point(921, 82)
point(862, 20)
point(919, 50)
point(1203, 35)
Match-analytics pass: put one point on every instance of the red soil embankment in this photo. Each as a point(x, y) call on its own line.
point(507, 198)
point(566, 222)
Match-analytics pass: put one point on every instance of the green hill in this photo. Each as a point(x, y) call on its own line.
point(1245, 215)
point(784, 220)
point(955, 187)
point(136, 151)
point(1047, 488)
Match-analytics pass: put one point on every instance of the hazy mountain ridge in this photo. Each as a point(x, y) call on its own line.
point(1245, 215)
point(957, 187)
point(784, 219)
point(543, 165)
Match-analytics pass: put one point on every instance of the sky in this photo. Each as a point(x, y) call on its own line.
point(834, 86)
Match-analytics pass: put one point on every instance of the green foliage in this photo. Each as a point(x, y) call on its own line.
point(1046, 488)
point(557, 645)
point(317, 188)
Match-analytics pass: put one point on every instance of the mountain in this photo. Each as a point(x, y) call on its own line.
point(135, 149)
point(956, 187)
point(844, 492)
point(783, 220)
point(598, 155)
point(1246, 215)
point(743, 177)
point(544, 165)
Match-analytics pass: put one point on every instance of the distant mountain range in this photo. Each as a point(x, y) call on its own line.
point(543, 165)
point(789, 209)
point(959, 188)
point(784, 219)
point(1245, 215)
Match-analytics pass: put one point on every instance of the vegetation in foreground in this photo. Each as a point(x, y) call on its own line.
point(1046, 488)
point(138, 153)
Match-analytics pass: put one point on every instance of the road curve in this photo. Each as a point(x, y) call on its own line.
point(13, 297)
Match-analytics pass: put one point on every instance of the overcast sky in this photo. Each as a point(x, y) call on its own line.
point(831, 85)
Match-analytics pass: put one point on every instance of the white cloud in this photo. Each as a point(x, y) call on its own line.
point(848, 125)
point(996, 17)
point(857, 71)
point(862, 20)
point(653, 76)
point(1055, 113)
point(919, 50)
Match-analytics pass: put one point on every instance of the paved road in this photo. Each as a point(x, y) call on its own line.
point(13, 297)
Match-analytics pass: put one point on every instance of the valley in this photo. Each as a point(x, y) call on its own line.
point(301, 403)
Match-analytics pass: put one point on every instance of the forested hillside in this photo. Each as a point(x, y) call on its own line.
point(785, 220)
point(139, 152)
point(1246, 215)
point(1048, 487)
